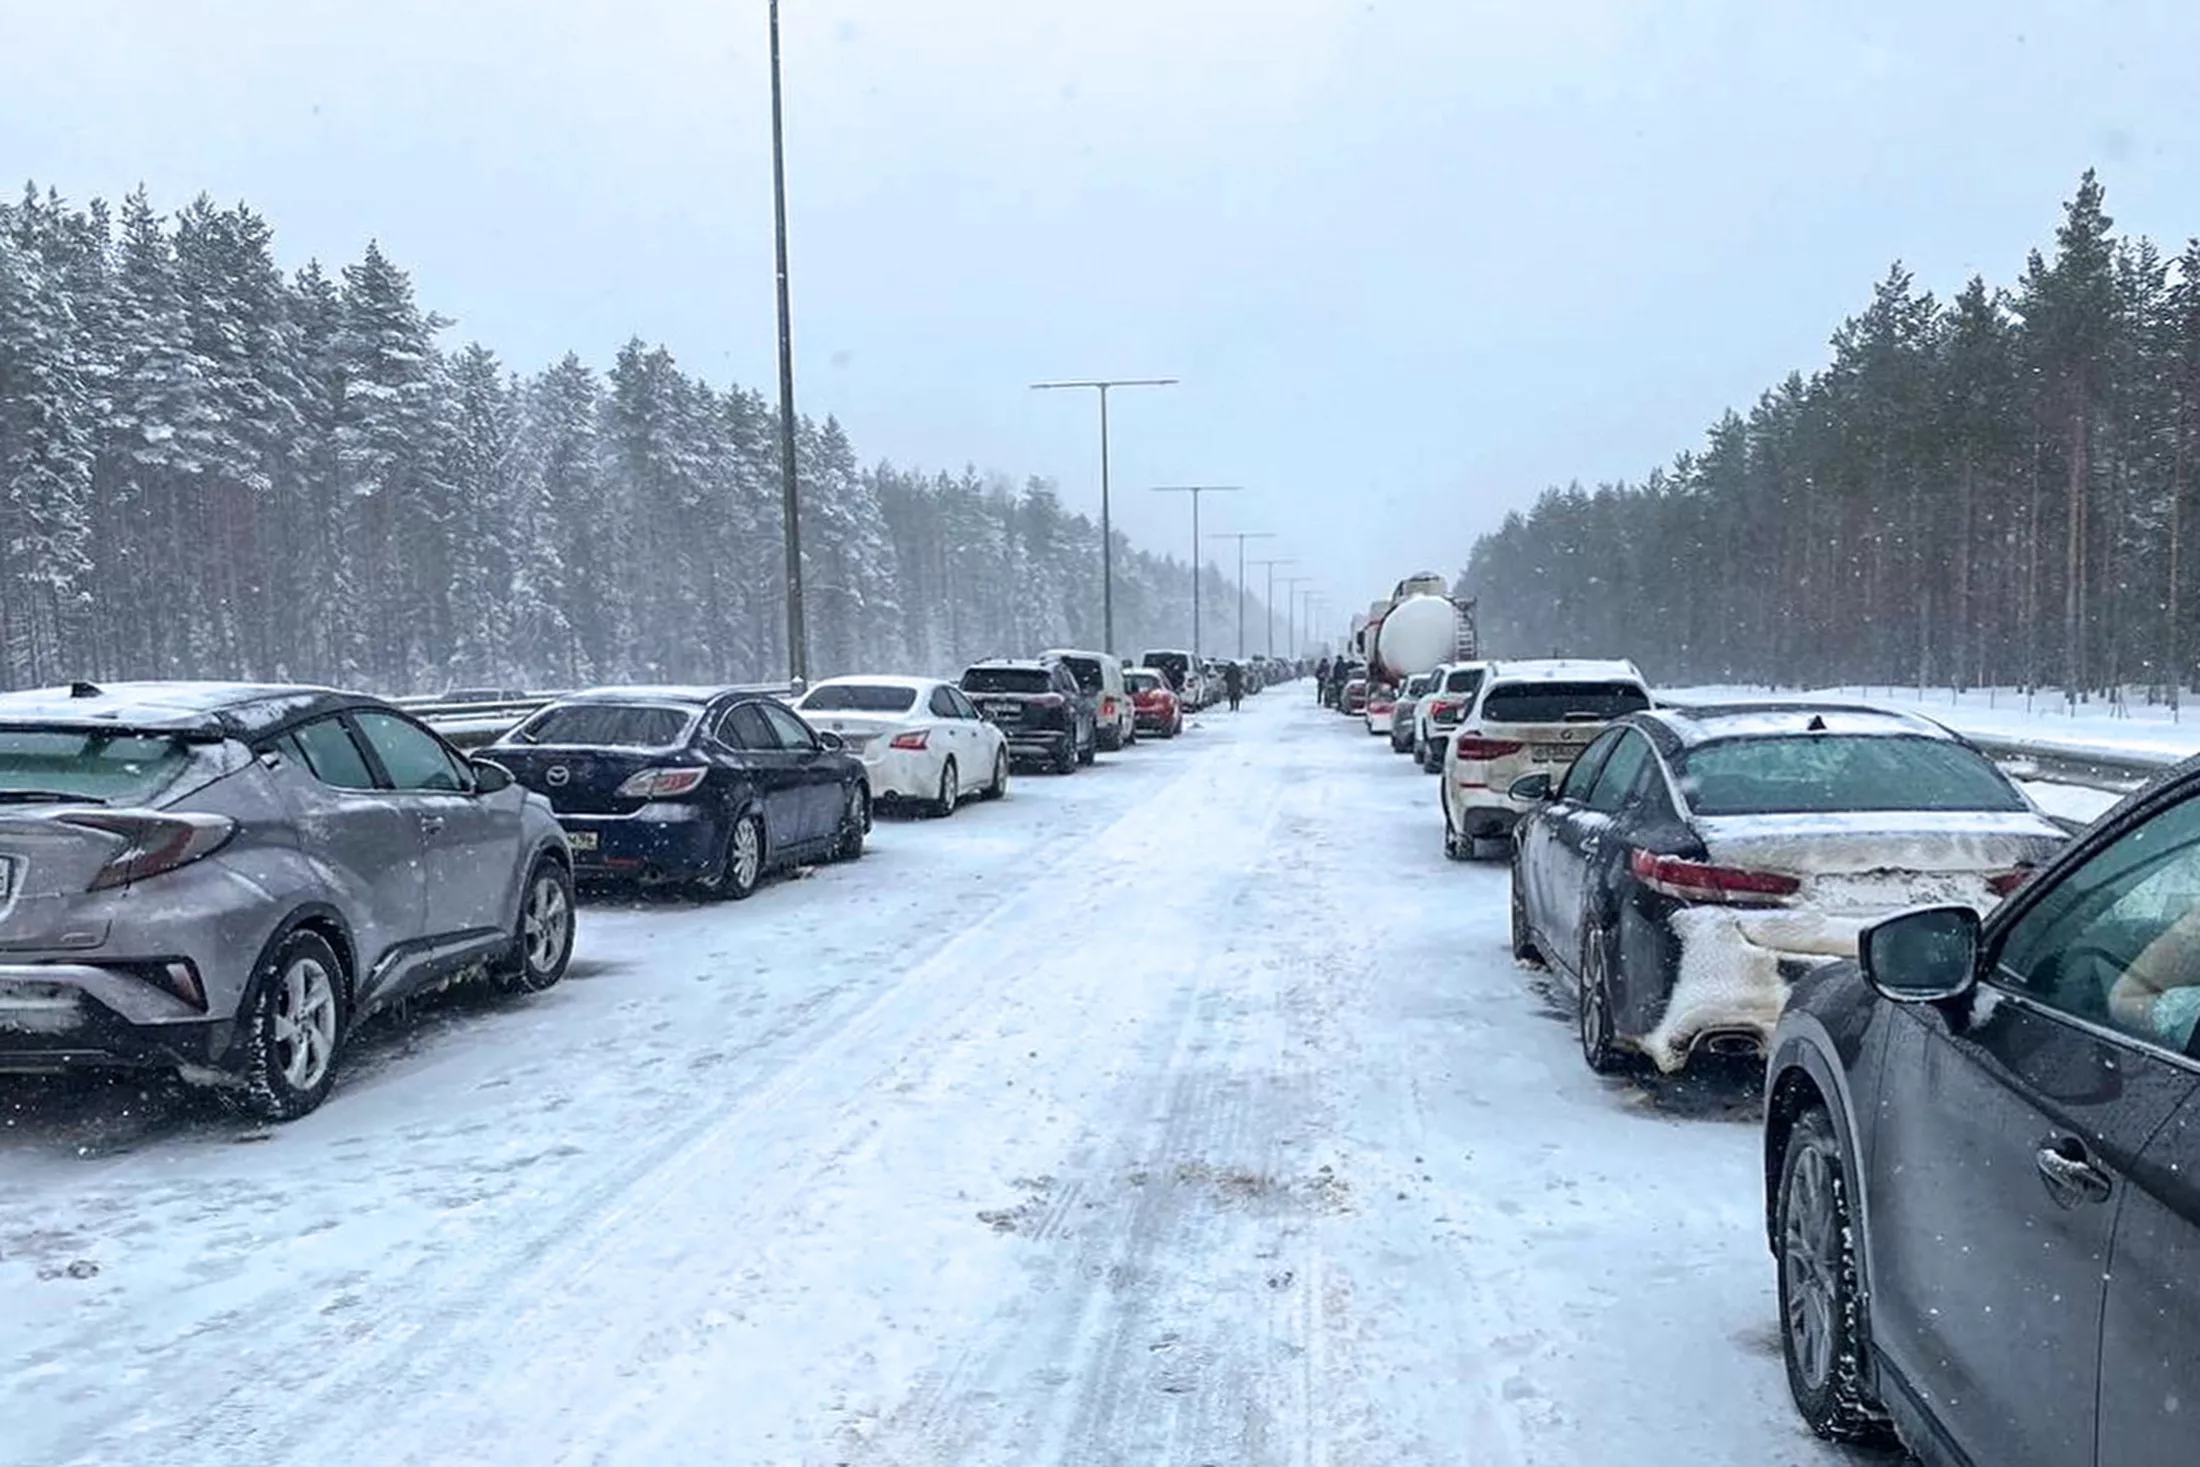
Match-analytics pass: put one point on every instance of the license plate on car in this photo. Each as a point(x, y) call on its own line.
point(581, 840)
point(1002, 710)
point(1554, 753)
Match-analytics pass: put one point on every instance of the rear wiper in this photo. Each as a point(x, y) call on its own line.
point(47, 797)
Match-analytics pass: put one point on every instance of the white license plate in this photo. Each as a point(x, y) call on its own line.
point(1554, 753)
point(581, 840)
point(1003, 710)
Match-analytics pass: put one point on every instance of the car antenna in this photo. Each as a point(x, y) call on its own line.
point(1817, 724)
point(85, 690)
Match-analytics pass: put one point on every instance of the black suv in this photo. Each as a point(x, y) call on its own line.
point(1039, 706)
point(1982, 1156)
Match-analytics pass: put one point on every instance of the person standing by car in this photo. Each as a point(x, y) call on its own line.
point(1321, 681)
point(1233, 683)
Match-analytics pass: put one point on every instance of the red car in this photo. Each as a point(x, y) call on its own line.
point(1354, 702)
point(1154, 706)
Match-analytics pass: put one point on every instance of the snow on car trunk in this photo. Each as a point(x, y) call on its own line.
point(1852, 870)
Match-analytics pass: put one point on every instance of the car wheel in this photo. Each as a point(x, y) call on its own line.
point(1065, 757)
point(1523, 939)
point(999, 787)
point(1091, 750)
point(950, 795)
point(855, 824)
point(1593, 1012)
point(294, 1029)
point(1456, 846)
point(1420, 752)
point(1823, 1334)
point(744, 867)
point(544, 943)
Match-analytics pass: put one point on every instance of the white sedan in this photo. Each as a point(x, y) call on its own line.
point(921, 741)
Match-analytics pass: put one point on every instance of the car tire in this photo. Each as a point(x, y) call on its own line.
point(1600, 1049)
point(1091, 750)
point(1824, 1336)
point(543, 944)
point(1420, 752)
point(855, 824)
point(747, 849)
point(1456, 846)
point(999, 787)
point(293, 1029)
point(1523, 938)
point(950, 792)
point(1065, 758)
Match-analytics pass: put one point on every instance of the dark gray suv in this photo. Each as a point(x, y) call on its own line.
point(225, 880)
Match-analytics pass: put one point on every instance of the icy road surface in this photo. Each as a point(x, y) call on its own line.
point(1081, 1129)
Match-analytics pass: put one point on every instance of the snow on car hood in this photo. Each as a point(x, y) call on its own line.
point(1900, 840)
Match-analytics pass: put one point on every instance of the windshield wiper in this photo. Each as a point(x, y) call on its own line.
point(47, 797)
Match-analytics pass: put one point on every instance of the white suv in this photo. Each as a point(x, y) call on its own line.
point(1450, 697)
point(1528, 718)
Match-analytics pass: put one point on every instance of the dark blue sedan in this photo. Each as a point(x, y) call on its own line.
point(708, 788)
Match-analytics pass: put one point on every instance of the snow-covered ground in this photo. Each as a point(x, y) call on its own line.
point(1187, 1110)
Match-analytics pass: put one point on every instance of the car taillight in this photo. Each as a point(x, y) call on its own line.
point(1048, 700)
point(2001, 883)
point(1442, 709)
point(152, 843)
point(658, 784)
point(1699, 881)
point(915, 739)
point(1474, 746)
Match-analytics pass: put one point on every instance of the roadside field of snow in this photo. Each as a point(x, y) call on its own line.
point(1188, 1109)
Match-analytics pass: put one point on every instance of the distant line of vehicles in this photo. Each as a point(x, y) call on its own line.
point(226, 880)
point(1981, 1146)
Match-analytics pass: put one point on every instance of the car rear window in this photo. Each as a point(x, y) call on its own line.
point(1465, 680)
point(1562, 702)
point(859, 698)
point(114, 769)
point(1087, 672)
point(609, 725)
point(1142, 682)
point(1007, 680)
point(1824, 773)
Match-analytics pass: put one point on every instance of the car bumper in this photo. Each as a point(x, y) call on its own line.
point(1731, 982)
point(660, 842)
point(1038, 745)
point(899, 774)
point(1153, 719)
point(1483, 814)
point(57, 1016)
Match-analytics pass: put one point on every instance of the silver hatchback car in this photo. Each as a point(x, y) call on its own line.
point(225, 880)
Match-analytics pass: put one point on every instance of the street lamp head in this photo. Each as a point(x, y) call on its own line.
point(1107, 382)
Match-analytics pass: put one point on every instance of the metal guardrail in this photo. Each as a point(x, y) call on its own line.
point(471, 724)
point(2119, 772)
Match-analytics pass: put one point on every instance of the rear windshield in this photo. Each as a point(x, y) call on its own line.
point(1415, 687)
point(1169, 661)
point(1823, 773)
point(1464, 680)
point(1142, 682)
point(1562, 702)
point(114, 769)
point(1007, 680)
point(608, 725)
point(859, 698)
point(1087, 672)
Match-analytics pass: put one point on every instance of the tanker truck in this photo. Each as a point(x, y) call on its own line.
point(1419, 628)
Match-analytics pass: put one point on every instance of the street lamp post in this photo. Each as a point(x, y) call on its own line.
point(1314, 598)
point(1291, 586)
point(1268, 602)
point(1107, 531)
point(1241, 536)
point(798, 636)
point(1196, 490)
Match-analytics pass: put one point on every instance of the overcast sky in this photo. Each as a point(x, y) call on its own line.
point(1413, 260)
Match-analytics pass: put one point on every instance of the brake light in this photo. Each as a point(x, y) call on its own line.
point(915, 739)
point(2001, 883)
point(1699, 881)
point(1472, 745)
point(153, 844)
point(1441, 709)
point(658, 784)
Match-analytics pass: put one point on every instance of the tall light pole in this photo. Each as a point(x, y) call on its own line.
point(1269, 601)
point(1107, 529)
point(1291, 586)
point(1195, 490)
point(1314, 598)
point(1241, 536)
point(798, 636)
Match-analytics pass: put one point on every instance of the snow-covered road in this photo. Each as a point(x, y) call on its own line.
point(1095, 1127)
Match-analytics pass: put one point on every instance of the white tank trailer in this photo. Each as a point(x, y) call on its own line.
point(1419, 628)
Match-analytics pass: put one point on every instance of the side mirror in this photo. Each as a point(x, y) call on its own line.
point(490, 777)
point(1532, 789)
point(1922, 956)
point(831, 743)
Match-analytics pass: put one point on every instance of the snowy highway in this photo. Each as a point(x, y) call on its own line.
point(1187, 1110)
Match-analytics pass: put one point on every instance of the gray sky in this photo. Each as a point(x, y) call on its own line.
point(1413, 259)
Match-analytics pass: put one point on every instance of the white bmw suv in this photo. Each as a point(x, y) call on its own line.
point(1527, 718)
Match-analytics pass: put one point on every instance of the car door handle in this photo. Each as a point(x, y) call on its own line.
point(430, 824)
point(2071, 1177)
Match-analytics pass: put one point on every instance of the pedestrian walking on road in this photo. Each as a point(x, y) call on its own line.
point(1233, 684)
point(1321, 681)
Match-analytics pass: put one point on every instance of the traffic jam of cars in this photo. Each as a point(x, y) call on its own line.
point(225, 881)
point(1979, 1032)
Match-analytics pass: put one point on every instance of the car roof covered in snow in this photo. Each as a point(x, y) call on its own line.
point(210, 710)
point(664, 693)
point(1700, 725)
point(1032, 664)
point(883, 680)
point(1562, 669)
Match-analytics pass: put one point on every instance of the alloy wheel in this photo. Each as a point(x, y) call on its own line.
point(305, 1023)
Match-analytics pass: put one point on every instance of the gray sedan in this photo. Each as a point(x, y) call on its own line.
point(225, 880)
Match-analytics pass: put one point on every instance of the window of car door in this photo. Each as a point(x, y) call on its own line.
point(744, 727)
point(2116, 941)
point(793, 734)
point(413, 758)
point(942, 703)
point(964, 708)
point(1582, 774)
point(1621, 771)
point(330, 754)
